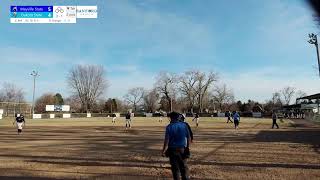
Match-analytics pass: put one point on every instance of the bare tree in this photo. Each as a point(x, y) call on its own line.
point(222, 95)
point(88, 82)
point(287, 93)
point(166, 84)
point(274, 102)
point(151, 99)
point(300, 94)
point(11, 93)
point(276, 98)
point(134, 96)
point(42, 101)
point(74, 102)
point(205, 81)
point(188, 81)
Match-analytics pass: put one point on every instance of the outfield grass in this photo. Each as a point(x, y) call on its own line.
point(94, 148)
point(218, 122)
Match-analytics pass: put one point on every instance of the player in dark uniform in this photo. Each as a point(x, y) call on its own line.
point(196, 117)
point(228, 114)
point(274, 120)
point(20, 123)
point(128, 120)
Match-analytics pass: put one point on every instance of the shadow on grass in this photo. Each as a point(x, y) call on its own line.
point(108, 148)
point(28, 175)
point(301, 136)
point(27, 178)
point(260, 165)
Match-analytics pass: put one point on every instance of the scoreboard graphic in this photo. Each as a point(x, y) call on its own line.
point(51, 14)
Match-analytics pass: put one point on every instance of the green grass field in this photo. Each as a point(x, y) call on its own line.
point(94, 148)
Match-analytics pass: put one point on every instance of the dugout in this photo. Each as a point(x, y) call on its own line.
point(310, 104)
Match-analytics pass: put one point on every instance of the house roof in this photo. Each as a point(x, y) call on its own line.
point(310, 97)
point(293, 106)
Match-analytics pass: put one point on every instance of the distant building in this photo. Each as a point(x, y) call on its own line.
point(310, 103)
point(307, 106)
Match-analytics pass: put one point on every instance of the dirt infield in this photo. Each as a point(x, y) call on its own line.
point(96, 149)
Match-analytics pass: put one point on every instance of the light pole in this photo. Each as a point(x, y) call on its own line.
point(171, 104)
point(170, 81)
point(35, 74)
point(314, 40)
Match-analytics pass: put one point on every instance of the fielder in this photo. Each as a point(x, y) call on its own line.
point(228, 114)
point(128, 120)
point(20, 123)
point(274, 120)
point(196, 117)
point(236, 119)
point(161, 117)
point(114, 118)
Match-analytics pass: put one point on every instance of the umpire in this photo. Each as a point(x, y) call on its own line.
point(176, 146)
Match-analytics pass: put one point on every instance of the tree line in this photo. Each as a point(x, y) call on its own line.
point(190, 91)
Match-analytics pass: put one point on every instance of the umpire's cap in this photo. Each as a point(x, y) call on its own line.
point(174, 115)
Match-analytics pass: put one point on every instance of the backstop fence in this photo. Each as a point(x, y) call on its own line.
point(12, 108)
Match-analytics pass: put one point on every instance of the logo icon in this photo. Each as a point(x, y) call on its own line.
point(14, 14)
point(59, 10)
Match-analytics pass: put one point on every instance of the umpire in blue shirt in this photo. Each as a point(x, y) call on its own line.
point(176, 146)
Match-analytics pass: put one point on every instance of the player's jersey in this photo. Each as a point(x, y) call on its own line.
point(19, 119)
point(128, 116)
point(274, 116)
point(236, 117)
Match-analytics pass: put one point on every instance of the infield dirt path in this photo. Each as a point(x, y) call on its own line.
point(90, 150)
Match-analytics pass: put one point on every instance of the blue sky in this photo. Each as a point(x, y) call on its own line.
point(257, 47)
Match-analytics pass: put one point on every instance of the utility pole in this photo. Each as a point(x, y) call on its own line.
point(35, 74)
point(314, 40)
point(171, 104)
point(171, 94)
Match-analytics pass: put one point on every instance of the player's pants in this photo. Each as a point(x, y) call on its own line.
point(114, 119)
point(274, 122)
point(236, 123)
point(179, 166)
point(229, 119)
point(128, 122)
point(19, 127)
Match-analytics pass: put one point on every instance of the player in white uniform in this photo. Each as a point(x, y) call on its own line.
point(114, 118)
point(161, 117)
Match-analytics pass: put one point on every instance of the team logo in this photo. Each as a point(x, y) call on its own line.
point(59, 10)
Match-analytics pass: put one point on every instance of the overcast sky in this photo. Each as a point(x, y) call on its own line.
point(257, 47)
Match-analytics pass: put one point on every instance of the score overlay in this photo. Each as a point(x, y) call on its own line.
point(51, 14)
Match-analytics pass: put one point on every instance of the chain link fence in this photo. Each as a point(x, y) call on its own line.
point(10, 109)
